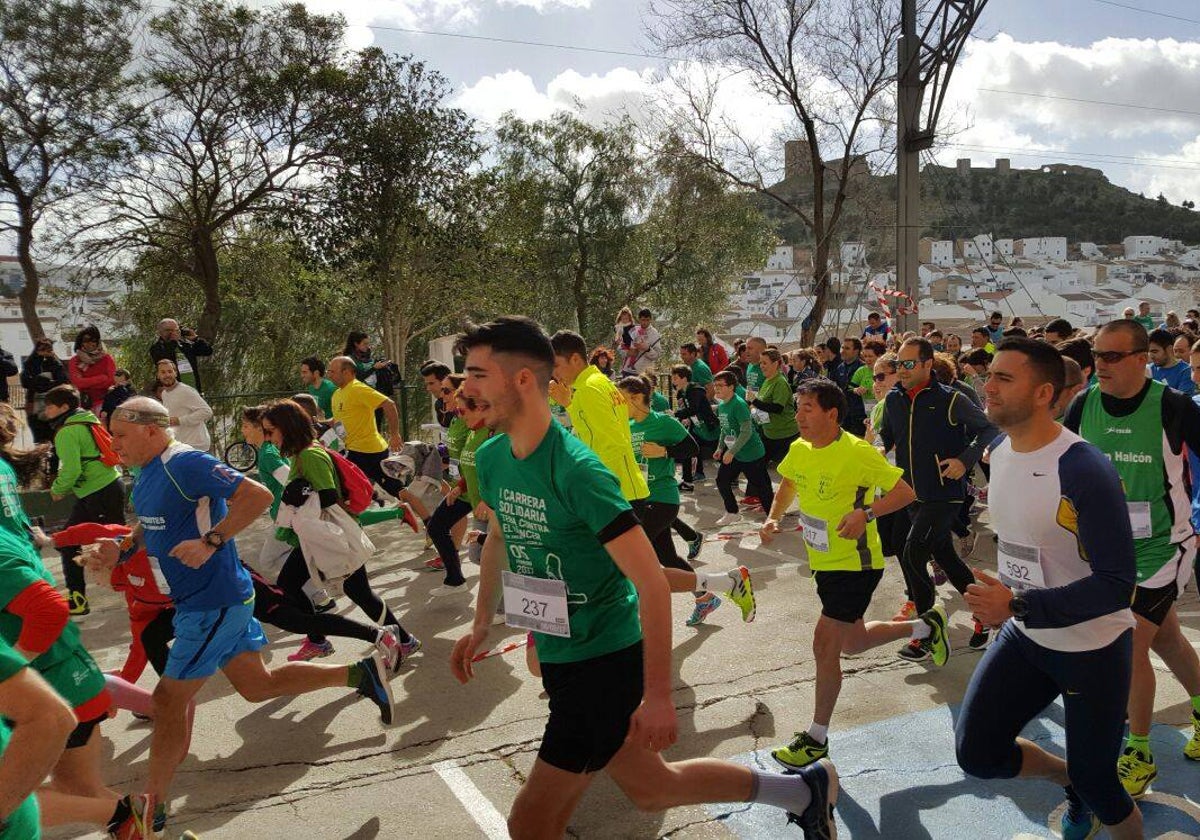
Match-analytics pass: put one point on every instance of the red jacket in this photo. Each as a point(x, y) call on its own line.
point(717, 359)
point(94, 382)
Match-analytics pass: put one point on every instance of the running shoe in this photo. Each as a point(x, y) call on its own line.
point(325, 606)
point(78, 604)
point(966, 545)
point(687, 487)
point(698, 477)
point(939, 577)
point(817, 821)
point(915, 651)
point(310, 650)
point(728, 519)
point(1192, 748)
point(801, 752)
point(938, 641)
point(980, 638)
point(703, 610)
point(1136, 771)
point(907, 612)
point(374, 686)
point(410, 647)
point(1078, 821)
point(742, 592)
point(388, 645)
point(751, 501)
point(694, 546)
point(448, 589)
point(437, 563)
point(410, 519)
point(137, 818)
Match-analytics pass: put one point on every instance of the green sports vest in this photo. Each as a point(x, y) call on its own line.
point(1136, 446)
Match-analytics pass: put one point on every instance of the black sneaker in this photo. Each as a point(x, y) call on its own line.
point(915, 651)
point(686, 487)
point(325, 606)
point(694, 546)
point(817, 821)
point(374, 685)
point(981, 638)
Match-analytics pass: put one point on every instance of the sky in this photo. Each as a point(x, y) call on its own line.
point(1142, 53)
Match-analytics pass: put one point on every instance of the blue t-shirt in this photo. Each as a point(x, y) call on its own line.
point(1178, 376)
point(181, 496)
point(1194, 463)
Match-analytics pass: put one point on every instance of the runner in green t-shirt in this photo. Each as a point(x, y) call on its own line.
point(312, 375)
point(578, 569)
point(34, 725)
point(774, 402)
point(754, 372)
point(739, 450)
point(701, 373)
point(658, 440)
point(834, 475)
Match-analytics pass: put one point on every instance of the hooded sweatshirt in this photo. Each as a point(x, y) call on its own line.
point(80, 470)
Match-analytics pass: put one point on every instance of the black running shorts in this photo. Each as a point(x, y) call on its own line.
point(590, 706)
point(1154, 604)
point(82, 733)
point(845, 596)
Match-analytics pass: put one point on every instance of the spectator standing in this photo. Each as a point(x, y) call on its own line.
point(647, 344)
point(8, 367)
point(312, 375)
point(995, 329)
point(41, 372)
point(91, 369)
point(83, 474)
point(183, 348)
point(435, 374)
point(1143, 316)
point(711, 351)
point(121, 390)
point(189, 412)
point(877, 328)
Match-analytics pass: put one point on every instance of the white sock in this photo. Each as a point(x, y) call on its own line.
point(921, 630)
point(704, 580)
point(791, 793)
point(818, 732)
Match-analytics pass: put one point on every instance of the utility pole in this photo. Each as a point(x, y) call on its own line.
point(926, 61)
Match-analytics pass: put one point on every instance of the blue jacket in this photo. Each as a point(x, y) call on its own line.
point(939, 423)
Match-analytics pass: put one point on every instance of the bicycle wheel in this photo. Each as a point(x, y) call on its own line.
point(241, 455)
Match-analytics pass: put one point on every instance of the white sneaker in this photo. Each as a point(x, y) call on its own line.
point(728, 519)
point(443, 590)
point(388, 646)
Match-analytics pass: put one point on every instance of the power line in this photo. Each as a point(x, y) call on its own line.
point(523, 43)
point(1091, 101)
point(1145, 11)
point(1089, 157)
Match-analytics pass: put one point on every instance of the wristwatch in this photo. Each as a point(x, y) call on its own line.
point(213, 539)
point(1018, 607)
point(870, 513)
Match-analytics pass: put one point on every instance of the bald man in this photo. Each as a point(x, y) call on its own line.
point(183, 347)
point(177, 488)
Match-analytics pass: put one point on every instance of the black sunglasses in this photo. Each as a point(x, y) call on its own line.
point(1111, 357)
point(879, 377)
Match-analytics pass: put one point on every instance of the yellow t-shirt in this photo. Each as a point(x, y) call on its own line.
point(600, 418)
point(830, 482)
point(354, 405)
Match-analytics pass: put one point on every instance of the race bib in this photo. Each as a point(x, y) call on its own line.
point(183, 365)
point(760, 417)
point(730, 440)
point(538, 604)
point(1139, 520)
point(644, 466)
point(815, 531)
point(1020, 566)
point(453, 470)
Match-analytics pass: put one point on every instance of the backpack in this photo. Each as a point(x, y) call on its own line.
point(103, 441)
point(357, 490)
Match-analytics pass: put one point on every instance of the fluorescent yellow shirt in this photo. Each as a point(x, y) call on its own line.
point(830, 482)
point(354, 405)
point(600, 418)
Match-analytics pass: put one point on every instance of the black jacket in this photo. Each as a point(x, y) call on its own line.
point(694, 403)
point(8, 367)
point(39, 374)
point(191, 350)
point(938, 423)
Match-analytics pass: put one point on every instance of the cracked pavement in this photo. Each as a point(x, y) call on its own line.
point(321, 767)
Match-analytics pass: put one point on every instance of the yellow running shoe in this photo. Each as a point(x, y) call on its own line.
point(1192, 748)
point(1136, 771)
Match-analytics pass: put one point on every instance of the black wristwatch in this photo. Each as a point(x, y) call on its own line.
point(213, 539)
point(1018, 607)
point(870, 513)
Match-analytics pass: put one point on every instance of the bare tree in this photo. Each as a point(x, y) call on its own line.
point(827, 64)
point(247, 104)
point(67, 99)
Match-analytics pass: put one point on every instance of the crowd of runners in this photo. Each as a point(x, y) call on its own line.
point(560, 472)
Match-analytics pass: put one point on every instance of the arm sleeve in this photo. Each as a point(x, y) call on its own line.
point(200, 347)
point(70, 463)
point(684, 448)
point(195, 409)
point(979, 429)
point(743, 437)
point(1093, 506)
point(43, 613)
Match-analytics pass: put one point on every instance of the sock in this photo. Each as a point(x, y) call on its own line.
point(354, 674)
point(818, 732)
point(1141, 743)
point(704, 580)
point(791, 793)
point(921, 630)
point(1196, 704)
point(128, 696)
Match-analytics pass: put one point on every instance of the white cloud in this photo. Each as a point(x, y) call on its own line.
point(543, 5)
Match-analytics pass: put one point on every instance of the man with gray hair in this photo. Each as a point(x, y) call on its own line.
point(189, 507)
point(183, 347)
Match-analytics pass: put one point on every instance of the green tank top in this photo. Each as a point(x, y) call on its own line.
point(1135, 446)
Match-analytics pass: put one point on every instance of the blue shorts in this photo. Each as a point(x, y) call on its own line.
point(205, 640)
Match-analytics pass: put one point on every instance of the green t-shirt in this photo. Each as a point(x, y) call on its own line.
point(456, 436)
point(12, 514)
point(1146, 321)
point(21, 824)
point(323, 394)
point(733, 413)
point(66, 665)
point(551, 507)
point(664, 430)
point(659, 402)
point(701, 373)
point(272, 472)
point(314, 465)
point(467, 466)
point(782, 424)
point(754, 377)
point(863, 377)
point(830, 482)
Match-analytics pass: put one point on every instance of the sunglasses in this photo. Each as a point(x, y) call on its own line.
point(447, 391)
point(880, 377)
point(1111, 357)
point(908, 364)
